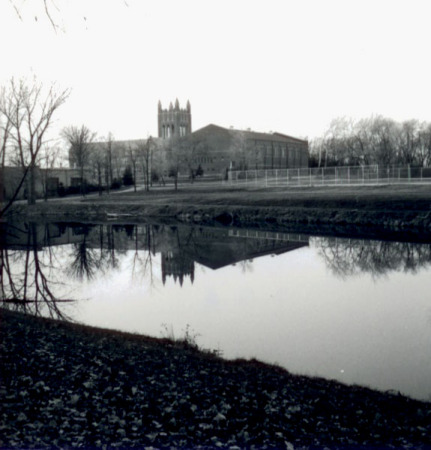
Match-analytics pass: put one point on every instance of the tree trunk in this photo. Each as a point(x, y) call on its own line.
point(99, 172)
point(134, 177)
point(31, 192)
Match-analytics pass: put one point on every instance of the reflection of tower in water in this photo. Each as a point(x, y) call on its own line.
point(178, 266)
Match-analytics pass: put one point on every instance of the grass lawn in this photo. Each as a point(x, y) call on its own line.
point(413, 197)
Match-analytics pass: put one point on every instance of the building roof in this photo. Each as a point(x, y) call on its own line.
point(249, 134)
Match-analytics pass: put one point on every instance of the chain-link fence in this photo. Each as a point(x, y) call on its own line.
point(330, 176)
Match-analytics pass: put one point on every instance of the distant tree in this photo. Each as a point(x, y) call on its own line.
point(158, 163)
point(373, 140)
point(245, 153)
point(48, 159)
point(181, 154)
point(133, 154)
point(424, 146)
point(146, 157)
point(239, 151)
point(80, 140)
point(98, 162)
point(108, 163)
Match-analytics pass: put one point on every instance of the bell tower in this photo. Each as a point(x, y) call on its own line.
point(174, 121)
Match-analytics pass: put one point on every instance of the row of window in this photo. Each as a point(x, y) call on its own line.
point(169, 130)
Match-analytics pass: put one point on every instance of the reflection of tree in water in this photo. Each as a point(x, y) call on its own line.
point(246, 265)
point(27, 278)
point(142, 264)
point(347, 257)
point(87, 260)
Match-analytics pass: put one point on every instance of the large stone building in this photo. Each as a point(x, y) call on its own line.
point(211, 150)
point(219, 149)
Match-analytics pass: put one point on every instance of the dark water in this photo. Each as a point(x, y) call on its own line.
point(349, 309)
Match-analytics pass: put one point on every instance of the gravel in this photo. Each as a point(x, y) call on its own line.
point(65, 385)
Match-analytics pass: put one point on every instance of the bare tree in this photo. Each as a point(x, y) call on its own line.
point(80, 140)
point(133, 153)
point(5, 126)
point(98, 163)
point(182, 154)
point(108, 172)
point(47, 8)
point(424, 146)
point(146, 151)
point(47, 160)
point(28, 110)
point(158, 163)
point(239, 149)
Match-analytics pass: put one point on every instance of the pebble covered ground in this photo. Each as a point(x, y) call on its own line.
point(67, 386)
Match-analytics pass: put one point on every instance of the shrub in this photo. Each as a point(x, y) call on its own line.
point(116, 184)
point(128, 177)
point(199, 171)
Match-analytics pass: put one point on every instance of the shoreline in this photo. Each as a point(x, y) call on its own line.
point(65, 384)
point(375, 210)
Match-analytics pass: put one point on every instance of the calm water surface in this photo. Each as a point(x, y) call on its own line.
point(353, 310)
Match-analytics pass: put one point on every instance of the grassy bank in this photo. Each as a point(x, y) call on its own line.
point(64, 385)
point(386, 208)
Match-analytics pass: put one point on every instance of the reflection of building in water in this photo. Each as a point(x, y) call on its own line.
point(180, 246)
point(178, 266)
point(216, 248)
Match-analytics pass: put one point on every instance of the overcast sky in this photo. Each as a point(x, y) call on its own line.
point(287, 66)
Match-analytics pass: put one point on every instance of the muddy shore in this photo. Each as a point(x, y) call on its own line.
point(64, 386)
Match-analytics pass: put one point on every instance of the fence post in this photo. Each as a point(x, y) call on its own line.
point(348, 175)
point(323, 177)
point(299, 177)
point(246, 177)
point(309, 171)
point(276, 177)
point(266, 178)
point(409, 173)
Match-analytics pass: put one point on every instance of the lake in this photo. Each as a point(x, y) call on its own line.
point(354, 310)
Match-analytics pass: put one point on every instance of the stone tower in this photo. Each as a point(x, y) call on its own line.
point(174, 122)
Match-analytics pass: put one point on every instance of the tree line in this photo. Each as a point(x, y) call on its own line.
point(109, 163)
point(373, 140)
